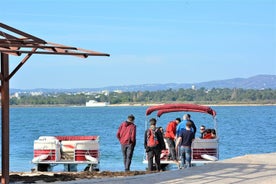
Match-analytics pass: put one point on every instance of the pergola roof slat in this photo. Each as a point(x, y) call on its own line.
point(17, 46)
point(22, 33)
point(35, 45)
point(65, 52)
point(6, 35)
point(17, 42)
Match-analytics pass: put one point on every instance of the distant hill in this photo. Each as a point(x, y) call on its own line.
point(255, 82)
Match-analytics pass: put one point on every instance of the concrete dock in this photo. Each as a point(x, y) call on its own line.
point(258, 168)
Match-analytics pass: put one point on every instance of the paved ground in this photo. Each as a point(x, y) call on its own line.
point(260, 168)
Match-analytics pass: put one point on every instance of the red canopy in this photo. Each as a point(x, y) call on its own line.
point(166, 108)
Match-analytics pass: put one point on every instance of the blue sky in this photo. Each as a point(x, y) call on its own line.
point(149, 41)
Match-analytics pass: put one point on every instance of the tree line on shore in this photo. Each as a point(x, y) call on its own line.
point(202, 95)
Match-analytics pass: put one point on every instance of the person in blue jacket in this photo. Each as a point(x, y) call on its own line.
point(182, 126)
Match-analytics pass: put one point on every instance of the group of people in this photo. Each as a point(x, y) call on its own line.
point(154, 142)
point(179, 136)
point(207, 133)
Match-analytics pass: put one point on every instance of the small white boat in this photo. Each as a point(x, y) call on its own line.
point(93, 103)
point(50, 151)
point(203, 150)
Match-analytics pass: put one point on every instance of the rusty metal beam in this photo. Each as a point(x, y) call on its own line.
point(67, 52)
point(6, 35)
point(79, 49)
point(19, 41)
point(8, 51)
point(5, 98)
point(22, 33)
point(20, 64)
point(8, 45)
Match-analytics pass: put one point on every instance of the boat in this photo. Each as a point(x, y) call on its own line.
point(50, 151)
point(203, 150)
point(93, 103)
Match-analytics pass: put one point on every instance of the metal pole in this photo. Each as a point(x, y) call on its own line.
point(5, 98)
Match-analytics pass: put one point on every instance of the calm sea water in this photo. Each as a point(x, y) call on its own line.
point(242, 130)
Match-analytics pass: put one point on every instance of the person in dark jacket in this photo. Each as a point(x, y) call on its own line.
point(154, 144)
point(185, 141)
point(127, 137)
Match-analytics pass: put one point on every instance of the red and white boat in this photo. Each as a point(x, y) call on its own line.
point(203, 150)
point(68, 150)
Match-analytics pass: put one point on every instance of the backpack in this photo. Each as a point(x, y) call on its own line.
point(152, 138)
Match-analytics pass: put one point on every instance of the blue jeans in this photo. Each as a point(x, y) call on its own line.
point(185, 154)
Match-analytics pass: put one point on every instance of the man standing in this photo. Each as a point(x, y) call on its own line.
point(127, 137)
point(185, 141)
point(182, 126)
point(170, 136)
point(154, 144)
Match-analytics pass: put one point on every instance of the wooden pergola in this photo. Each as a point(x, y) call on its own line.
point(16, 42)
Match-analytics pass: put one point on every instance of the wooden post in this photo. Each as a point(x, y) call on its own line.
point(5, 100)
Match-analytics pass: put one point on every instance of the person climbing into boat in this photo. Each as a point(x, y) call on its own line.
point(182, 126)
point(154, 144)
point(185, 141)
point(170, 137)
point(127, 137)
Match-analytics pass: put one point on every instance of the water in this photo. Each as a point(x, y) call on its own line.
point(242, 130)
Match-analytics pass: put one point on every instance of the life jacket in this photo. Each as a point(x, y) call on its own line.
point(207, 136)
point(152, 138)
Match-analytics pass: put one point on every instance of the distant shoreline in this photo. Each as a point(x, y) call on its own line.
point(126, 105)
point(149, 104)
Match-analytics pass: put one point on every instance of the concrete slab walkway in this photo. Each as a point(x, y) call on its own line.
point(259, 168)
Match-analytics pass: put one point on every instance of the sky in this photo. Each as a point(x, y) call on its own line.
point(149, 41)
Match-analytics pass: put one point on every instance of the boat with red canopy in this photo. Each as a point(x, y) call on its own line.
point(203, 150)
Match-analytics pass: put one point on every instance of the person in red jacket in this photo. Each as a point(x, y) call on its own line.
point(170, 136)
point(127, 137)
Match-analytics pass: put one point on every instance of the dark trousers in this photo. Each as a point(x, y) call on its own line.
point(127, 151)
point(171, 145)
point(154, 152)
